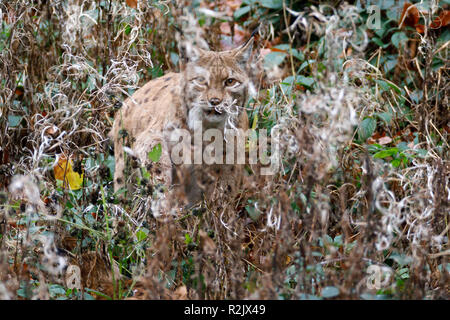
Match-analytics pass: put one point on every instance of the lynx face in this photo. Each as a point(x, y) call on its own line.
point(216, 85)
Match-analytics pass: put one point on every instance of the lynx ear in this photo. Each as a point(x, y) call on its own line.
point(188, 52)
point(242, 54)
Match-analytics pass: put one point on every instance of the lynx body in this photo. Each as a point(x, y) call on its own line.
point(208, 86)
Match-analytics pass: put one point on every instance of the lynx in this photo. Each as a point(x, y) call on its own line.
point(202, 93)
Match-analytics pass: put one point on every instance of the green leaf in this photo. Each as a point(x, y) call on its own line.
point(387, 4)
point(297, 54)
point(399, 38)
point(422, 152)
point(403, 273)
point(383, 84)
point(366, 128)
point(273, 59)
point(155, 154)
point(367, 296)
point(187, 238)
point(272, 4)
point(56, 289)
point(241, 11)
point(386, 85)
point(390, 64)
point(87, 296)
point(111, 164)
point(305, 64)
point(402, 146)
point(302, 80)
point(330, 292)
point(127, 29)
point(252, 212)
point(14, 121)
point(374, 147)
point(287, 83)
point(380, 43)
point(307, 81)
point(141, 235)
point(145, 174)
point(338, 240)
point(392, 15)
point(174, 58)
point(396, 163)
point(386, 153)
point(385, 116)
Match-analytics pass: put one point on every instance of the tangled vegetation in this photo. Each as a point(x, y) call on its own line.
point(358, 93)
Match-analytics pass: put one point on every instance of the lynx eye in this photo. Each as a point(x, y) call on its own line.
point(230, 82)
point(200, 80)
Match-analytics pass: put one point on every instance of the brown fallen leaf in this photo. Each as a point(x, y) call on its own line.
point(410, 16)
point(442, 21)
point(132, 3)
point(384, 140)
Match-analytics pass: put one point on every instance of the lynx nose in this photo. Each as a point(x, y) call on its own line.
point(215, 101)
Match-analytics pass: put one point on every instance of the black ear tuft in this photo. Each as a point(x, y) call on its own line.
point(243, 53)
point(188, 52)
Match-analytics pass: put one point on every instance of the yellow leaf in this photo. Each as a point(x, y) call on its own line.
point(64, 172)
point(288, 260)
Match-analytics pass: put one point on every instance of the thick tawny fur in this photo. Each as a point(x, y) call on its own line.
point(208, 81)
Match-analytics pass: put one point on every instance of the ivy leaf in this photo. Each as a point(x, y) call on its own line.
point(390, 64)
point(385, 116)
point(155, 154)
point(380, 43)
point(399, 38)
point(366, 128)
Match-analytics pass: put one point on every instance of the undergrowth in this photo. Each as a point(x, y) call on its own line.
point(359, 209)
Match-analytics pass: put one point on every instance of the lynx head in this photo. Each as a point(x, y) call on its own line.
point(215, 83)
